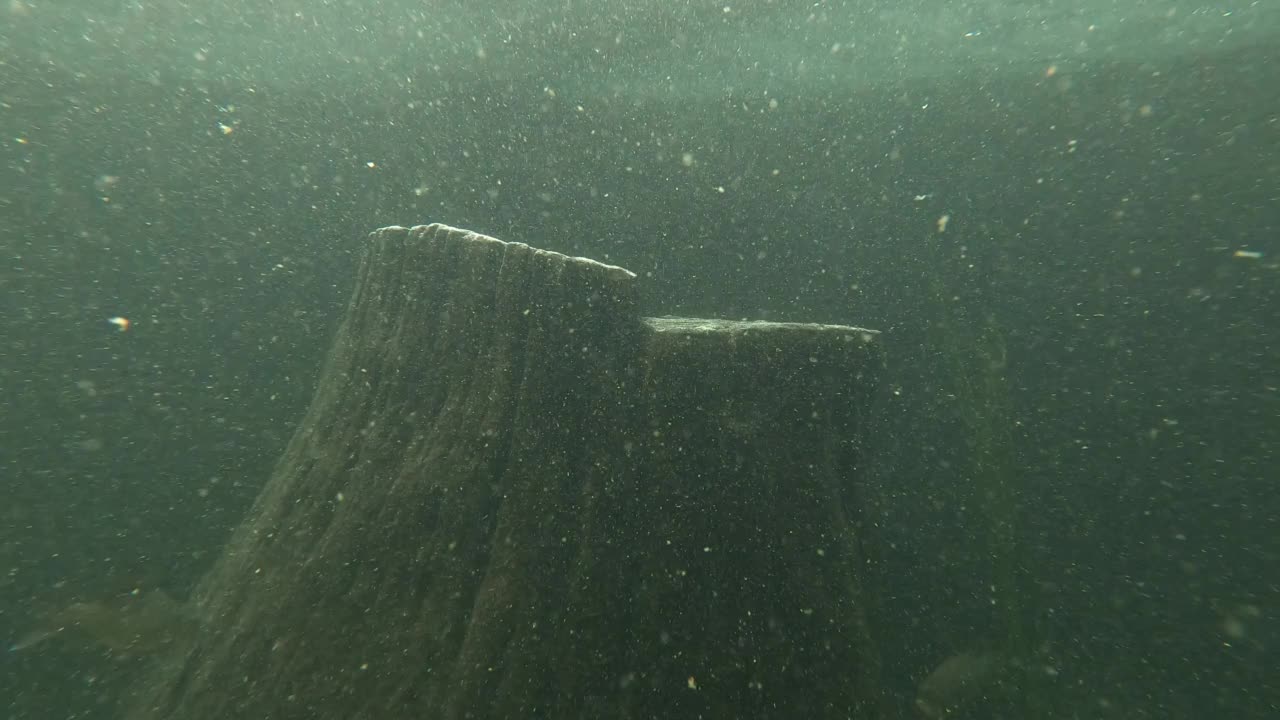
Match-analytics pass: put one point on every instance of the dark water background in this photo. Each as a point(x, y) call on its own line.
point(1081, 435)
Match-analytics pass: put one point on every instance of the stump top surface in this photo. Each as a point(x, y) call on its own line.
point(705, 326)
point(475, 237)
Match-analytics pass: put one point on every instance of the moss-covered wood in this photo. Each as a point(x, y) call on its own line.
point(513, 497)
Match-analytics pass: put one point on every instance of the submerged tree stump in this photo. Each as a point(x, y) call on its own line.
point(513, 497)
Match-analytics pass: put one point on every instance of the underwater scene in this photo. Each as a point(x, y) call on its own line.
point(639, 359)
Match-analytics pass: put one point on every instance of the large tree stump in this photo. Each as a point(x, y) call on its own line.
point(513, 497)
